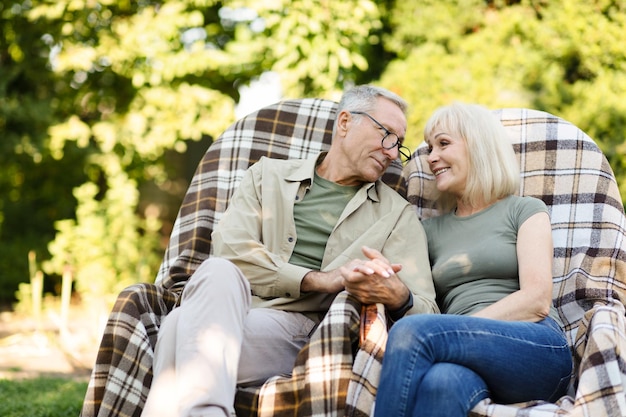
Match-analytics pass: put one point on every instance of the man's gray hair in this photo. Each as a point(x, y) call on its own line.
point(364, 97)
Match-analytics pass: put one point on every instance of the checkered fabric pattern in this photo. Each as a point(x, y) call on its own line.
point(122, 374)
point(563, 166)
point(329, 379)
point(290, 129)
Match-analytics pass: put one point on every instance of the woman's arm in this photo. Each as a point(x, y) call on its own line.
point(534, 255)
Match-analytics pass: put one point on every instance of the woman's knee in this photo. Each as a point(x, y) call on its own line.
point(455, 388)
point(406, 326)
point(412, 330)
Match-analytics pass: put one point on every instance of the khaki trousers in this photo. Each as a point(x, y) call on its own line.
point(213, 342)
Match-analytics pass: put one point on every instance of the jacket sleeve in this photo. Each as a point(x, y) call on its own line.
point(411, 250)
point(239, 237)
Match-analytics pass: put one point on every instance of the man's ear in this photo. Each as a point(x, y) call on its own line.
point(344, 119)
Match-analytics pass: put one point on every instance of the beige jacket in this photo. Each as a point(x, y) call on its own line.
point(257, 233)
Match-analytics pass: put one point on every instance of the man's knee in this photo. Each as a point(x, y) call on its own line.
point(216, 264)
point(216, 276)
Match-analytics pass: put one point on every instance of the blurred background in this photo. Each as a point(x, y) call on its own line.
point(107, 106)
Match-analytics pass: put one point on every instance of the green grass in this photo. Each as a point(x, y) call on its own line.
point(41, 397)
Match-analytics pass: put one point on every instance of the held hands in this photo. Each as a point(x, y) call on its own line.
point(374, 280)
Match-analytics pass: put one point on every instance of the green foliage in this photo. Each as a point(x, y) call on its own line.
point(564, 57)
point(142, 83)
point(484, 66)
point(142, 78)
point(587, 81)
point(97, 96)
point(108, 246)
point(130, 88)
point(317, 46)
point(41, 397)
point(34, 192)
point(28, 198)
point(432, 21)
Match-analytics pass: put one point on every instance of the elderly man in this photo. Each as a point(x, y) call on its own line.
point(295, 234)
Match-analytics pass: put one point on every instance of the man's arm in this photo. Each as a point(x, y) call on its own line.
point(251, 235)
point(370, 281)
point(325, 282)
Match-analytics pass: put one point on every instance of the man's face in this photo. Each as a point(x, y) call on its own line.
point(362, 147)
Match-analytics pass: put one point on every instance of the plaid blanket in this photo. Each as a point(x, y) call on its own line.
point(332, 376)
point(122, 375)
point(560, 165)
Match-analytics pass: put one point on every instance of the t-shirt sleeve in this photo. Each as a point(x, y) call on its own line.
point(528, 207)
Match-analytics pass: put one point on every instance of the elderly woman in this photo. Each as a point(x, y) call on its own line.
point(491, 257)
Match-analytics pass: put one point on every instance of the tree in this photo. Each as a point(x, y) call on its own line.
point(137, 81)
point(562, 57)
point(99, 97)
point(34, 186)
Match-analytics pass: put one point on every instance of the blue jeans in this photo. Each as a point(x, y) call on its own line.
point(443, 365)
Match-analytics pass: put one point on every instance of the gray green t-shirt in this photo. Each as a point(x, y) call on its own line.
point(315, 218)
point(474, 258)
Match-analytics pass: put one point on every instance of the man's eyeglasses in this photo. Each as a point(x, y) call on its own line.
point(390, 140)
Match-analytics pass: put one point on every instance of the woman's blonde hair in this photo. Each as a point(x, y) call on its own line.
point(493, 167)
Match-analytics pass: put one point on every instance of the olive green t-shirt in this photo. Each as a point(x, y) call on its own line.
point(474, 258)
point(315, 216)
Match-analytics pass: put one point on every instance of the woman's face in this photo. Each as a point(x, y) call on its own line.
point(449, 161)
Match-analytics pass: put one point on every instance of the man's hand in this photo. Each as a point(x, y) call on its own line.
point(374, 280)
